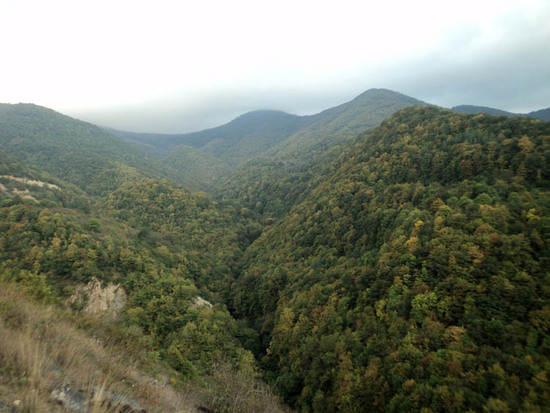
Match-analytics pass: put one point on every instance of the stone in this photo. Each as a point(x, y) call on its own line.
point(116, 401)
point(96, 299)
point(199, 302)
point(70, 399)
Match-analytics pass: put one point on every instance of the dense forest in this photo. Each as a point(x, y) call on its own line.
point(417, 276)
point(351, 264)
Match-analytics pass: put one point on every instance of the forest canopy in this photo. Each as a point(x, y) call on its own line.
point(403, 269)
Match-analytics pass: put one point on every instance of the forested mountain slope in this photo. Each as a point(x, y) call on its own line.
point(247, 136)
point(171, 251)
point(261, 129)
point(542, 114)
point(417, 276)
point(407, 268)
point(200, 171)
point(18, 179)
point(276, 180)
point(74, 151)
point(204, 157)
point(474, 110)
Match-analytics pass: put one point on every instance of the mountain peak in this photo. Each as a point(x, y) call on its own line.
point(263, 115)
point(381, 93)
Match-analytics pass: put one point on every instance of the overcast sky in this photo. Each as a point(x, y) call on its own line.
point(179, 66)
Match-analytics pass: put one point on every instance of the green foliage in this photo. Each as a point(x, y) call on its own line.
point(416, 276)
point(195, 169)
point(284, 175)
point(47, 251)
point(407, 270)
point(213, 236)
point(74, 151)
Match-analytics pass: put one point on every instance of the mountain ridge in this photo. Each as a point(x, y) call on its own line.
point(289, 169)
point(385, 285)
point(401, 268)
point(72, 150)
point(541, 114)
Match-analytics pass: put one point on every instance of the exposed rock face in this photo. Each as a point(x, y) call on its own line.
point(96, 299)
point(199, 302)
point(70, 399)
point(6, 407)
point(116, 402)
point(30, 181)
point(76, 401)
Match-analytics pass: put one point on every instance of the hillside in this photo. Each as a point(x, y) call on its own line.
point(474, 110)
point(74, 151)
point(167, 252)
point(276, 180)
point(202, 158)
point(416, 276)
point(252, 133)
point(404, 268)
point(199, 170)
point(542, 114)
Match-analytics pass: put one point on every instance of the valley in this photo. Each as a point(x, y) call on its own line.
point(382, 255)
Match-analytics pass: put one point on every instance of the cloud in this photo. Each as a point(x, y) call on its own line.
point(175, 66)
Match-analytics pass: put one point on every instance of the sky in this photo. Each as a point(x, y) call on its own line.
point(176, 66)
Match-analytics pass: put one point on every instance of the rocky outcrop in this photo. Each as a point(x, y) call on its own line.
point(199, 302)
point(77, 401)
point(30, 181)
point(97, 299)
point(70, 399)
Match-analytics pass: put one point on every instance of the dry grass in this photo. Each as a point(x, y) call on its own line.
point(231, 390)
point(42, 350)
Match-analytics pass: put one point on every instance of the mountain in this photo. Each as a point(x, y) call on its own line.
point(246, 136)
point(171, 252)
point(401, 268)
point(264, 136)
point(274, 181)
point(474, 110)
point(203, 157)
point(242, 138)
point(343, 122)
point(415, 277)
point(543, 114)
point(164, 254)
point(74, 151)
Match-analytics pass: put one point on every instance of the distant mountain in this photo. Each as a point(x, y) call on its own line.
point(543, 114)
point(199, 170)
point(201, 158)
point(277, 179)
point(242, 138)
point(474, 110)
point(338, 124)
point(264, 137)
point(74, 151)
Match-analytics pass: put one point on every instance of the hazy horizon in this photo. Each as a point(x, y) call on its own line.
point(168, 67)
